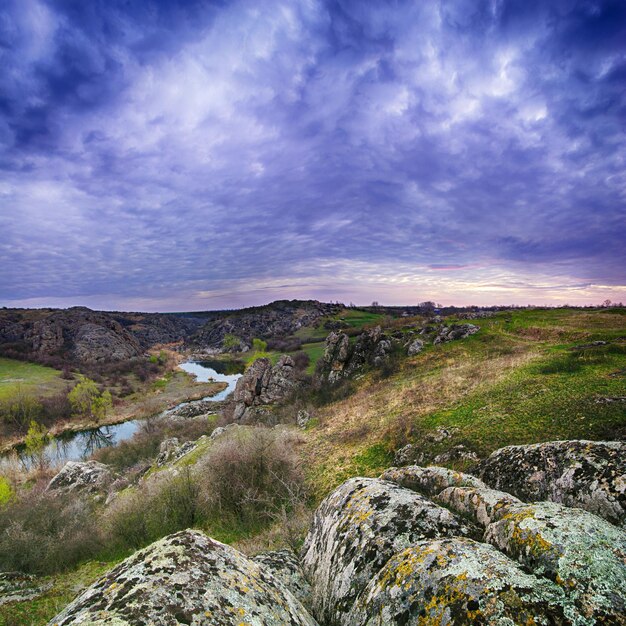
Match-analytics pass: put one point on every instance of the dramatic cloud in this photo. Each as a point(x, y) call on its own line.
point(188, 155)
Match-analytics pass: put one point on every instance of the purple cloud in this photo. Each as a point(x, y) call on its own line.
point(170, 155)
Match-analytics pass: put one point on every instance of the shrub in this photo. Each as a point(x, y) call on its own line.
point(19, 409)
point(251, 476)
point(231, 342)
point(86, 400)
point(41, 533)
point(301, 360)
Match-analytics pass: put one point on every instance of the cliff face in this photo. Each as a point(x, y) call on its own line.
point(419, 545)
point(278, 319)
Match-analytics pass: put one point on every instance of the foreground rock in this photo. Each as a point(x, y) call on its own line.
point(590, 475)
point(186, 578)
point(83, 476)
point(356, 530)
point(263, 384)
point(457, 581)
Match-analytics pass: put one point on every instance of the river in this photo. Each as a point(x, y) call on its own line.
point(76, 446)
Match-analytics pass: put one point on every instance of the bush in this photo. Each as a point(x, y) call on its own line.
point(301, 360)
point(251, 476)
point(42, 533)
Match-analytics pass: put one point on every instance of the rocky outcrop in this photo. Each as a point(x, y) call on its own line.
point(456, 581)
point(82, 476)
point(340, 359)
point(278, 319)
point(18, 587)
point(285, 566)
point(356, 530)
point(263, 384)
point(77, 334)
point(171, 450)
point(186, 578)
point(415, 347)
point(455, 331)
point(429, 480)
point(590, 475)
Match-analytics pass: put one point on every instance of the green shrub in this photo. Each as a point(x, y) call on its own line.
point(231, 342)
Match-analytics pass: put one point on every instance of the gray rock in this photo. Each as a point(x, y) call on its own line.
point(429, 480)
point(86, 476)
point(186, 578)
point(285, 566)
point(336, 353)
point(581, 552)
point(18, 587)
point(415, 347)
point(263, 384)
point(457, 453)
point(356, 529)
point(590, 475)
point(171, 450)
point(303, 418)
point(455, 331)
point(409, 455)
point(457, 581)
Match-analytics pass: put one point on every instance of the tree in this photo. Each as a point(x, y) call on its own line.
point(87, 401)
point(35, 441)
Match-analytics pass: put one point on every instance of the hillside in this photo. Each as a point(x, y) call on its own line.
point(374, 391)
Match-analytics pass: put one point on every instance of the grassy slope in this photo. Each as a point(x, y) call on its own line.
point(516, 381)
point(15, 375)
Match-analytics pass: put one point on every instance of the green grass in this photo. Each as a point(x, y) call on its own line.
point(315, 352)
point(357, 318)
point(523, 378)
point(20, 375)
point(65, 587)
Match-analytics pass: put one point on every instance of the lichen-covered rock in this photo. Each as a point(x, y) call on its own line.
point(581, 552)
point(457, 581)
point(409, 454)
point(263, 383)
point(429, 480)
point(286, 567)
point(18, 587)
point(455, 331)
point(186, 578)
point(86, 476)
point(457, 453)
point(482, 505)
point(590, 475)
point(303, 418)
point(356, 529)
point(171, 450)
point(415, 347)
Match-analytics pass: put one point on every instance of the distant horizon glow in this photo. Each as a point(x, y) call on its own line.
point(168, 156)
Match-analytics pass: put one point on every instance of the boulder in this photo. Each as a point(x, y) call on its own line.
point(86, 476)
point(583, 553)
point(415, 347)
point(336, 353)
point(409, 455)
point(455, 331)
point(186, 578)
point(263, 383)
point(285, 566)
point(18, 587)
point(429, 480)
point(303, 418)
point(457, 581)
point(590, 475)
point(457, 453)
point(171, 450)
point(356, 529)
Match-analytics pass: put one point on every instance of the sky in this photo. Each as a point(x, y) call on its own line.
point(192, 155)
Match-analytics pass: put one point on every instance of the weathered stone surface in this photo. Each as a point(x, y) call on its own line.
point(590, 475)
point(285, 566)
point(303, 418)
point(264, 384)
point(336, 353)
point(455, 331)
point(581, 552)
point(456, 453)
point(482, 505)
point(171, 450)
point(86, 476)
point(409, 455)
point(429, 480)
point(356, 529)
point(457, 581)
point(415, 347)
point(186, 578)
point(18, 587)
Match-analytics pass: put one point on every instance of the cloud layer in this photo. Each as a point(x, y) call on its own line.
point(167, 155)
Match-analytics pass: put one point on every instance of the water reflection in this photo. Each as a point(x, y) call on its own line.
point(77, 446)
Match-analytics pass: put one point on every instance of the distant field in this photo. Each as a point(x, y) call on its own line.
point(16, 375)
point(527, 376)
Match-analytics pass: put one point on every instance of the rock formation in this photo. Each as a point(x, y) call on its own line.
point(263, 384)
point(590, 475)
point(186, 578)
point(82, 476)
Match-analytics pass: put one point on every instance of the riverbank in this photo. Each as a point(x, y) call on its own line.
point(180, 387)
